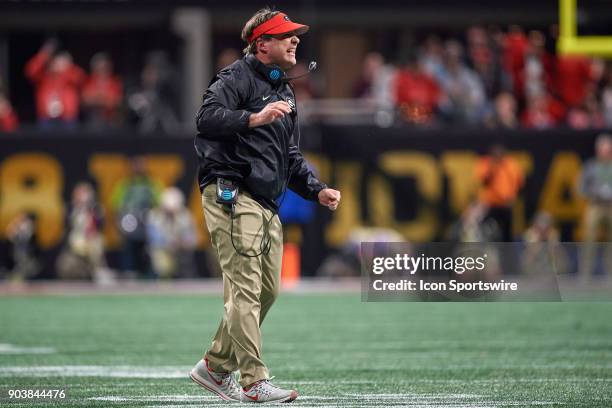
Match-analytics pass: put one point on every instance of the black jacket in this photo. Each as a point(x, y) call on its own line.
point(265, 159)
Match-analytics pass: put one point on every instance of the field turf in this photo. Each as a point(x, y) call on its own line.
point(120, 350)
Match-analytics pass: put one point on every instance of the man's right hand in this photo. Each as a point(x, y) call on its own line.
point(271, 112)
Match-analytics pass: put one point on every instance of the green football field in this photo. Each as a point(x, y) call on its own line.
point(120, 350)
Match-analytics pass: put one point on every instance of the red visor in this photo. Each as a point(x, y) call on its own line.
point(279, 24)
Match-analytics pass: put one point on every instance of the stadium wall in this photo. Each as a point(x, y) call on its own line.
point(413, 181)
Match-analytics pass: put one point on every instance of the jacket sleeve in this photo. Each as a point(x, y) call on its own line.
point(219, 114)
point(35, 68)
point(303, 180)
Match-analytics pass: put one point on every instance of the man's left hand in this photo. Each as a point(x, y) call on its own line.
point(329, 198)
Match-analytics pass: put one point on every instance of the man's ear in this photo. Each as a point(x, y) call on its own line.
point(262, 46)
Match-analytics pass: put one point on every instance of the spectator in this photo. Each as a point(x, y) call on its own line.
point(575, 79)
point(515, 45)
point(473, 227)
point(465, 98)
point(586, 116)
point(347, 261)
point(500, 179)
point(539, 113)
point(431, 55)
point(504, 113)
point(102, 93)
point(485, 61)
point(8, 117)
point(172, 236)
point(542, 229)
point(543, 255)
point(24, 252)
point(596, 186)
point(376, 82)
point(373, 64)
point(83, 256)
point(606, 96)
point(155, 102)
point(132, 199)
point(538, 66)
point(417, 94)
point(58, 82)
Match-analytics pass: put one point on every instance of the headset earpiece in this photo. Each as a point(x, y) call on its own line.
point(274, 74)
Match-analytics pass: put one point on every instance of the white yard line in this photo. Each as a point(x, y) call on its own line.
point(181, 372)
point(123, 371)
point(6, 348)
point(344, 400)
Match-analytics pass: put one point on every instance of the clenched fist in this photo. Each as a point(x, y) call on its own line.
point(271, 112)
point(329, 198)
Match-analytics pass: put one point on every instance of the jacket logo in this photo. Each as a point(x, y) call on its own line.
point(265, 98)
point(291, 103)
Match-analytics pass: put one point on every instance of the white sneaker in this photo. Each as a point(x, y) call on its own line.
point(265, 391)
point(222, 384)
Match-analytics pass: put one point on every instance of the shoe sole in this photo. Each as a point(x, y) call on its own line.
point(208, 386)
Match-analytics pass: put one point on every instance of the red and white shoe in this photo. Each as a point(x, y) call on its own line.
point(222, 384)
point(265, 391)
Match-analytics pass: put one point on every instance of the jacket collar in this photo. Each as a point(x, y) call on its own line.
point(262, 69)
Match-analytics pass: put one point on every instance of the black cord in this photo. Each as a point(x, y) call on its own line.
point(265, 244)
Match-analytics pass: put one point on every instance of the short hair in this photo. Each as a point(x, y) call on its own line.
point(260, 17)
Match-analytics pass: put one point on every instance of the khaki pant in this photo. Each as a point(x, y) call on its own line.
point(596, 216)
point(250, 285)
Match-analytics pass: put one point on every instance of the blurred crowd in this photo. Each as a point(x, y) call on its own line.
point(66, 96)
point(492, 78)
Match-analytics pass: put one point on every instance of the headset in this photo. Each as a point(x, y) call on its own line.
point(275, 76)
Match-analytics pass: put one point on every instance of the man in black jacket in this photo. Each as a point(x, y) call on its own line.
point(248, 155)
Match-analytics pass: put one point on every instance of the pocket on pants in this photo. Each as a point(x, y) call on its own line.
point(210, 192)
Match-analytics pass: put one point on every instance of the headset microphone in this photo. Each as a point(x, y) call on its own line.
point(311, 67)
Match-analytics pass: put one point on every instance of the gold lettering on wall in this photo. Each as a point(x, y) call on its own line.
point(424, 169)
point(33, 182)
point(348, 215)
point(519, 218)
point(462, 185)
point(559, 195)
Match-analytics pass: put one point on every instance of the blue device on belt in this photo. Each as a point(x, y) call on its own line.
point(227, 192)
